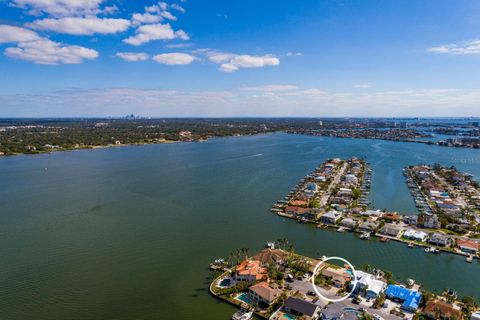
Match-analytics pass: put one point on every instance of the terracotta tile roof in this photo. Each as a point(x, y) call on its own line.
point(467, 243)
point(447, 310)
point(251, 268)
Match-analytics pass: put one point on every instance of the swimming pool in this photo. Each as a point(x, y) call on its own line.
point(244, 298)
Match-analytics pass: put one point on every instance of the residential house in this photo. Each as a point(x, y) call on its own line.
point(264, 294)
point(349, 223)
point(410, 299)
point(438, 309)
point(369, 285)
point(440, 239)
point(271, 257)
point(302, 307)
point(250, 270)
point(331, 217)
point(368, 226)
point(372, 213)
point(391, 230)
point(415, 235)
point(468, 245)
point(391, 216)
point(337, 311)
point(339, 277)
point(428, 221)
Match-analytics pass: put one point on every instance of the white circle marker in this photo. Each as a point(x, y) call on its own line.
point(354, 279)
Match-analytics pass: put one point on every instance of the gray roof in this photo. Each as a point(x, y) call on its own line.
point(301, 306)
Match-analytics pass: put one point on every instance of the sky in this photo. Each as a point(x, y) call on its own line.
point(208, 58)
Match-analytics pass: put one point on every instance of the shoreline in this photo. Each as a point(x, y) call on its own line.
point(430, 143)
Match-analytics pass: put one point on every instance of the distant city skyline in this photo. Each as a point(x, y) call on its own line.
point(110, 58)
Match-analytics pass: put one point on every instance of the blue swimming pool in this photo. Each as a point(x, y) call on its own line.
point(244, 298)
point(289, 316)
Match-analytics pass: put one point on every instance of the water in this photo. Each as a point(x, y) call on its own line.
point(128, 232)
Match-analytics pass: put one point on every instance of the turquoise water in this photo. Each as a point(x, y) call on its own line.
point(129, 232)
point(245, 298)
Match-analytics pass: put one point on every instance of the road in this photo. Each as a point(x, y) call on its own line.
point(332, 185)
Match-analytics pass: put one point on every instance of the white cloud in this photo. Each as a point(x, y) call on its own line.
point(220, 57)
point(145, 18)
point(151, 32)
point(271, 88)
point(16, 34)
point(294, 54)
point(178, 45)
point(249, 61)
point(466, 47)
point(178, 7)
point(81, 26)
point(174, 58)
point(362, 85)
point(63, 8)
point(132, 56)
point(45, 51)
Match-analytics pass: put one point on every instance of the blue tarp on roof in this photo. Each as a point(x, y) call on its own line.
point(410, 298)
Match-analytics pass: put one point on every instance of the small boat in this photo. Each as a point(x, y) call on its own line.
point(365, 236)
point(411, 245)
point(242, 315)
point(341, 229)
point(469, 259)
point(383, 239)
point(270, 245)
point(432, 250)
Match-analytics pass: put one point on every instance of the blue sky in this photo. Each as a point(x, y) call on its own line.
point(239, 58)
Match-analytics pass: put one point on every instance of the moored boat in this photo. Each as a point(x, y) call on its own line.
point(242, 315)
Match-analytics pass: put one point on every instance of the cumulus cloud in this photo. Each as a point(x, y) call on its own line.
point(132, 56)
point(45, 51)
point(174, 58)
point(249, 61)
point(81, 26)
point(16, 34)
point(151, 32)
point(63, 8)
point(178, 7)
point(145, 18)
point(466, 47)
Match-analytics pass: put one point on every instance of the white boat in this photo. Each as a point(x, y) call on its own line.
point(242, 315)
point(365, 236)
point(270, 245)
point(432, 250)
point(469, 259)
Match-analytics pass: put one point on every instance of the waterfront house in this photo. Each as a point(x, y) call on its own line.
point(428, 221)
point(331, 217)
point(296, 211)
point(250, 270)
point(302, 307)
point(415, 235)
point(391, 217)
point(349, 223)
point(391, 230)
point(438, 309)
point(339, 277)
point(440, 239)
point(271, 257)
point(468, 245)
point(298, 203)
point(264, 294)
point(410, 299)
point(372, 213)
point(368, 226)
point(369, 285)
